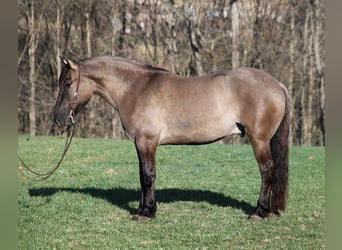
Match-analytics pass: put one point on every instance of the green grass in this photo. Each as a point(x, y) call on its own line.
point(204, 196)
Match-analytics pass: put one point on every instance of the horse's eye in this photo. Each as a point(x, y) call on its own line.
point(67, 84)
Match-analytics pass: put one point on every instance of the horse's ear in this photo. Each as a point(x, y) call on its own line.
point(69, 63)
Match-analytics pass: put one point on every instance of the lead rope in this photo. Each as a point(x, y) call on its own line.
point(44, 176)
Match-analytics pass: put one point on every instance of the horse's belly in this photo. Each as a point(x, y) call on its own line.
point(198, 133)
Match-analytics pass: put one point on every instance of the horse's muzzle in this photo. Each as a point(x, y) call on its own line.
point(65, 120)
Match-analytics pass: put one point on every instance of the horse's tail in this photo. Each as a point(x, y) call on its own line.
point(280, 152)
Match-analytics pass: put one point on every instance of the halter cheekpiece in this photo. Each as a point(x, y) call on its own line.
point(75, 95)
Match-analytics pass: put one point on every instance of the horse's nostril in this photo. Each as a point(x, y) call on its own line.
point(58, 123)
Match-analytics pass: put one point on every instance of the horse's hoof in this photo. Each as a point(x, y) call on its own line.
point(273, 215)
point(139, 217)
point(255, 217)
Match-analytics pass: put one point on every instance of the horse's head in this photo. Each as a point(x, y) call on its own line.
point(73, 93)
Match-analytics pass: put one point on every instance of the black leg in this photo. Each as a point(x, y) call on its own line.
point(263, 205)
point(266, 166)
point(146, 151)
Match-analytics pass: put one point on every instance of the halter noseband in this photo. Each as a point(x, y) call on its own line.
point(75, 95)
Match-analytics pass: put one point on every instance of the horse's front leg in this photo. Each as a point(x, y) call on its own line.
point(146, 151)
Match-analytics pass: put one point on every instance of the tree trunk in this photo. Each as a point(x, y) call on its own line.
point(114, 29)
point(195, 64)
point(32, 75)
point(306, 81)
point(320, 69)
point(235, 35)
point(311, 92)
point(88, 34)
point(153, 16)
point(58, 39)
point(123, 20)
point(292, 64)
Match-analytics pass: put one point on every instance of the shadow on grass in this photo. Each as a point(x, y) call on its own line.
point(122, 197)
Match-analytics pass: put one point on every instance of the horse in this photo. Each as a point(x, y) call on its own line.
point(157, 107)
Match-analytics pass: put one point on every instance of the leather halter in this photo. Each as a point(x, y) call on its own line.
point(75, 95)
point(78, 82)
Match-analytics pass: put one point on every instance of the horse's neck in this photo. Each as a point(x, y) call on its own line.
point(113, 82)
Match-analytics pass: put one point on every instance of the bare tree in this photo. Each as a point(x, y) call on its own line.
point(235, 34)
point(319, 62)
point(32, 64)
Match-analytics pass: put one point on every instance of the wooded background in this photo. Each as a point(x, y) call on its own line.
point(191, 37)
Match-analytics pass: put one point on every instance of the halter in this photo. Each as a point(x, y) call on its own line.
point(75, 95)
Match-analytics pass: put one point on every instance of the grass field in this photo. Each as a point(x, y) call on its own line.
point(204, 196)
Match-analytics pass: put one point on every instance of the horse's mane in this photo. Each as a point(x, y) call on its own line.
point(129, 62)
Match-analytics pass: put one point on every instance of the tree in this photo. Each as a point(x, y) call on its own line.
point(235, 34)
point(32, 64)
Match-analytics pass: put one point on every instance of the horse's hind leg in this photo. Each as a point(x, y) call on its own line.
point(146, 151)
point(265, 161)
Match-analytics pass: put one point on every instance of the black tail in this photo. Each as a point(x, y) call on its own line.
point(280, 152)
